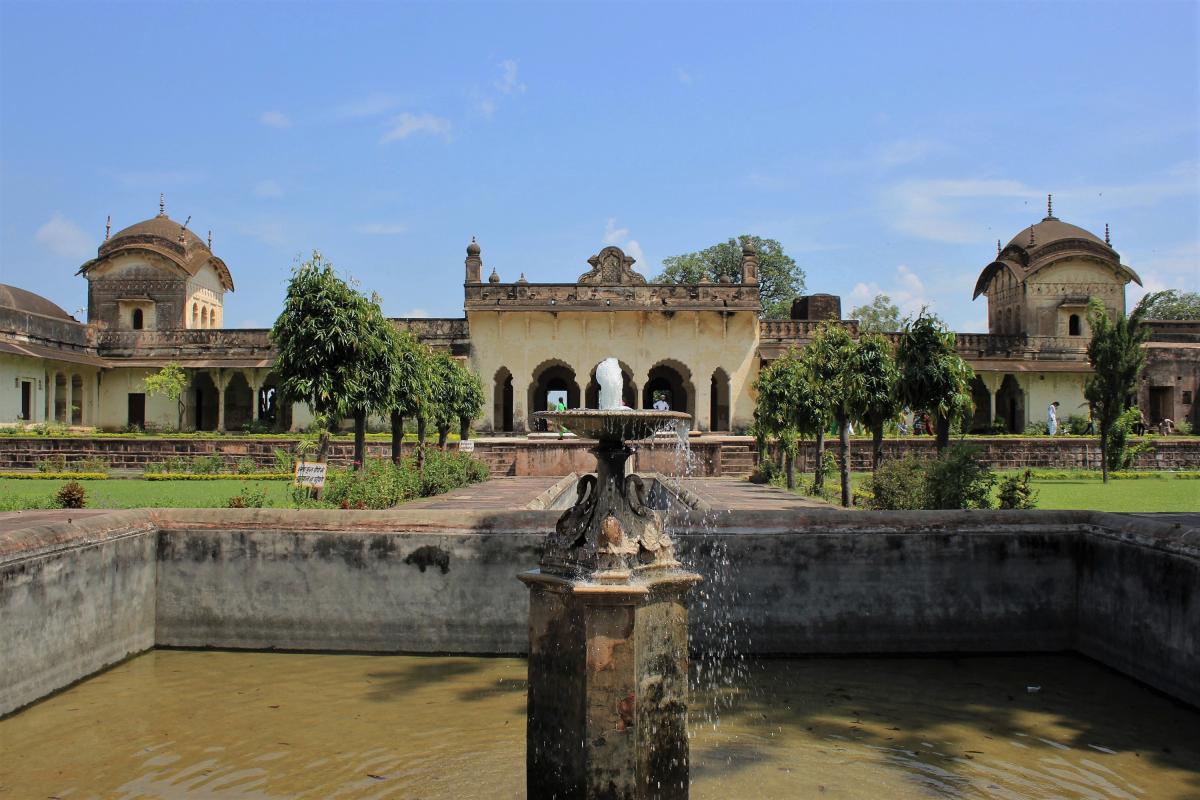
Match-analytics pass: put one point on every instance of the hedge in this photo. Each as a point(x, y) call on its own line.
point(217, 476)
point(56, 476)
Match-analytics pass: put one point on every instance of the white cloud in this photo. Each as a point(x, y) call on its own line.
point(508, 82)
point(620, 237)
point(486, 106)
point(275, 119)
point(381, 229)
point(268, 188)
point(406, 124)
point(684, 76)
point(613, 234)
point(64, 238)
point(1172, 268)
point(903, 151)
point(371, 105)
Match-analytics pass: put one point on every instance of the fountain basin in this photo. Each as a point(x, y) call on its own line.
point(619, 424)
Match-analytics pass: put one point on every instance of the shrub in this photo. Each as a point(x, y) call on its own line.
point(71, 495)
point(207, 465)
point(1037, 428)
point(999, 426)
point(898, 485)
point(245, 466)
point(1016, 491)
point(249, 497)
point(54, 463)
point(958, 479)
point(829, 469)
point(283, 460)
point(382, 484)
point(1076, 425)
point(91, 464)
point(1183, 427)
point(767, 471)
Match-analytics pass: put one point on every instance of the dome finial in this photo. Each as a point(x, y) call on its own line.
point(210, 238)
point(1049, 206)
point(162, 204)
point(107, 227)
point(1107, 240)
point(997, 248)
point(183, 230)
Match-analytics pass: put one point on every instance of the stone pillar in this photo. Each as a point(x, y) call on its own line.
point(69, 394)
point(255, 387)
point(220, 381)
point(51, 389)
point(703, 399)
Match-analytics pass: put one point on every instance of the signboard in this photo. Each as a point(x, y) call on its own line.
point(466, 446)
point(310, 473)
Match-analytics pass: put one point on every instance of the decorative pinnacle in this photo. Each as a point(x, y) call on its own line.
point(182, 238)
point(997, 248)
point(210, 238)
point(162, 204)
point(1049, 206)
point(107, 227)
point(1107, 240)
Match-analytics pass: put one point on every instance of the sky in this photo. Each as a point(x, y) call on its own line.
point(887, 146)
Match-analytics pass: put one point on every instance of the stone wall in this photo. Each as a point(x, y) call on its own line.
point(77, 597)
point(518, 456)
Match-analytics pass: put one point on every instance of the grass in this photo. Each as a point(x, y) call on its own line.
point(1076, 490)
point(18, 494)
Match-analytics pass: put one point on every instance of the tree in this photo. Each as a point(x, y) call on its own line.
point(777, 390)
point(876, 362)
point(933, 376)
point(457, 396)
point(1169, 304)
point(409, 384)
point(780, 279)
point(469, 400)
point(170, 382)
point(832, 356)
point(332, 349)
point(1117, 358)
point(881, 316)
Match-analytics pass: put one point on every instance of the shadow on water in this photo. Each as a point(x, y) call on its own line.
point(414, 675)
point(952, 723)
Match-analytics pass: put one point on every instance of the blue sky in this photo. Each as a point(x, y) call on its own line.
point(886, 145)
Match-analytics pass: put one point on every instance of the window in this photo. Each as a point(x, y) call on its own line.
point(204, 317)
point(195, 316)
point(1073, 325)
point(1187, 398)
point(138, 321)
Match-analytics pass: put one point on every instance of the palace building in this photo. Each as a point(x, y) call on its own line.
point(156, 295)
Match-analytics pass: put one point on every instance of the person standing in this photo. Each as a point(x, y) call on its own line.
point(561, 405)
point(661, 404)
point(1052, 418)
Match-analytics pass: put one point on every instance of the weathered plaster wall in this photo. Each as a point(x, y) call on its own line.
point(73, 600)
point(1120, 588)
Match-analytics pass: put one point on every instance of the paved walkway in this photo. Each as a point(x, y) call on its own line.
point(498, 493)
point(742, 495)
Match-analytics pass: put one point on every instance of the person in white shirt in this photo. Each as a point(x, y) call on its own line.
point(661, 404)
point(1052, 418)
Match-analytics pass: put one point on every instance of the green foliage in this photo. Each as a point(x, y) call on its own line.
point(410, 381)
point(245, 466)
point(53, 463)
point(1116, 356)
point(1076, 424)
point(1119, 455)
point(787, 406)
point(54, 476)
point(832, 366)
point(171, 382)
point(58, 464)
point(1038, 427)
point(333, 346)
point(932, 374)
point(381, 484)
point(1016, 491)
point(283, 460)
point(71, 495)
point(457, 394)
point(780, 279)
point(828, 469)
point(249, 497)
point(958, 479)
point(898, 484)
point(1169, 304)
point(207, 465)
point(881, 316)
point(191, 476)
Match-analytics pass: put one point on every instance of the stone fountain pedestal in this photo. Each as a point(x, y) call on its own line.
point(608, 668)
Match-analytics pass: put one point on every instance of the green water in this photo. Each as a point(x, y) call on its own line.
point(256, 725)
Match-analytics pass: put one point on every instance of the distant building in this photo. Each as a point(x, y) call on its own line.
point(156, 294)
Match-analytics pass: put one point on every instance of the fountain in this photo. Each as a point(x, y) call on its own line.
point(608, 637)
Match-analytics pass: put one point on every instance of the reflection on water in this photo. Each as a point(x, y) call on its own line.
point(258, 725)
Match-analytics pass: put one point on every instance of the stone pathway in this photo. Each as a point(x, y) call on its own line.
point(498, 493)
point(741, 495)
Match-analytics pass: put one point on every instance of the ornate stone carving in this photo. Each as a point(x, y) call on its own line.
point(612, 267)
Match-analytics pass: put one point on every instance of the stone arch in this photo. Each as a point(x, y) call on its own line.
point(1010, 405)
point(204, 317)
point(719, 401)
point(1073, 326)
point(239, 402)
point(205, 398)
point(674, 380)
point(139, 319)
point(629, 393)
point(502, 400)
point(982, 399)
point(195, 315)
point(552, 375)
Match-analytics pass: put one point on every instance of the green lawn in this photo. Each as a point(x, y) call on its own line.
point(16, 494)
point(1161, 491)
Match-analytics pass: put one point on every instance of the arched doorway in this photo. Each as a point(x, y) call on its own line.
point(982, 399)
point(502, 400)
point(239, 403)
point(671, 381)
point(555, 379)
point(718, 401)
point(1010, 405)
point(204, 402)
point(591, 398)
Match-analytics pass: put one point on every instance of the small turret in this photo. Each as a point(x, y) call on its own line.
point(749, 262)
point(474, 262)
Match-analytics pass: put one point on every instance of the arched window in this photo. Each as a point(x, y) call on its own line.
point(138, 320)
point(204, 317)
point(1073, 325)
point(195, 316)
